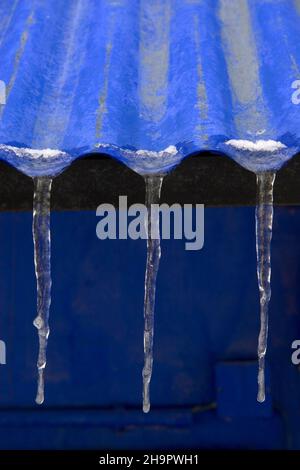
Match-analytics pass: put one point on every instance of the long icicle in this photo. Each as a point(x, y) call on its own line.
point(153, 189)
point(42, 262)
point(264, 222)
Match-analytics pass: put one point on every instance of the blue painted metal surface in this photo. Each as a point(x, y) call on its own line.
point(93, 376)
point(119, 76)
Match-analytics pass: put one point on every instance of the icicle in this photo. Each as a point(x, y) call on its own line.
point(153, 188)
point(41, 240)
point(264, 221)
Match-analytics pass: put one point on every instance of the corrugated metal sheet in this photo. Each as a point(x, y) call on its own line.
point(119, 76)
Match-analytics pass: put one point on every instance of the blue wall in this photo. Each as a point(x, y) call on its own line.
point(205, 339)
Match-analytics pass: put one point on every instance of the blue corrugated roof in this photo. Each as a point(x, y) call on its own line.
point(121, 76)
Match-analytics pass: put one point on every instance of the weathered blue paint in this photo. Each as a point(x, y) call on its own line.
point(118, 76)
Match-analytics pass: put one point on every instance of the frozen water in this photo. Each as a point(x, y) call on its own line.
point(153, 189)
point(264, 222)
point(42, 262)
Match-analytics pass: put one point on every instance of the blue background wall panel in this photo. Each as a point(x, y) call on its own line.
point(95, 347)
